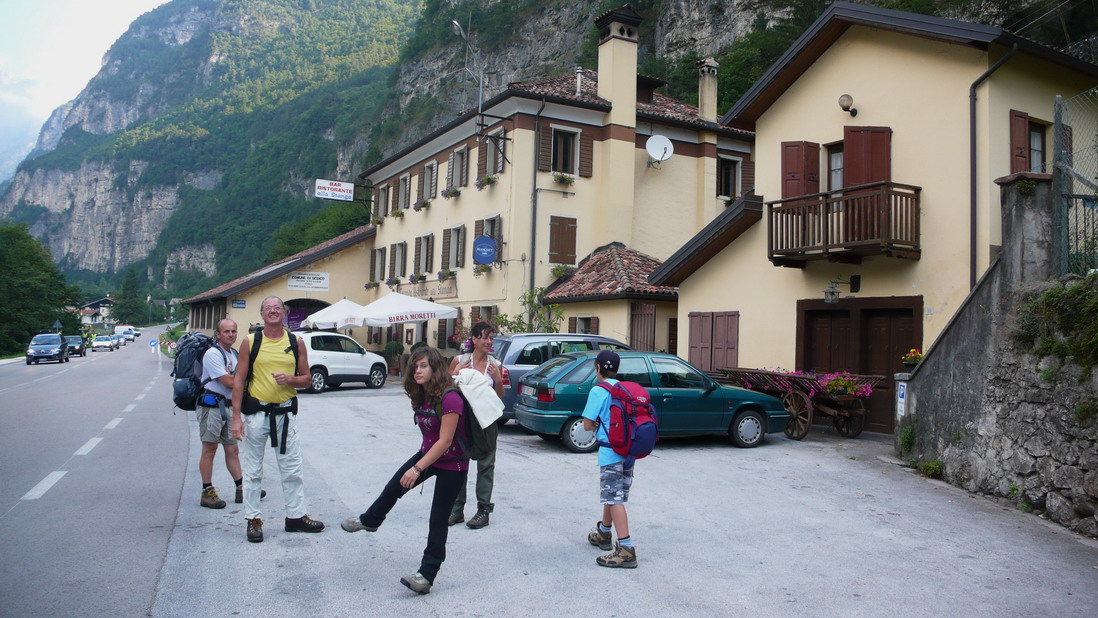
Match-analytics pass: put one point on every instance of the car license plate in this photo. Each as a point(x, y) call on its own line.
point(528, 390)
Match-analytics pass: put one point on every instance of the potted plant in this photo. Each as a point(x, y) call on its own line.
point(562, 271)
point(371, 285)
point(393, 282)
point(486, 180)
point(397, 214)
point(377, 220)
point(417, 277)
point(563, 179)
point(422, 204)
point(451, 192)
point(393, 350)
point(481, 269)
point(445, 274)
point(911, 359)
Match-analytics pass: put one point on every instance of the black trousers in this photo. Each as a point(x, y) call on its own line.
point(447, 486)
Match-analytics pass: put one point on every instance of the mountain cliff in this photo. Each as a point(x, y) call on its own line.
point(192, 153)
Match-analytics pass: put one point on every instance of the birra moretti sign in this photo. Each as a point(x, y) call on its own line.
point(335, 190)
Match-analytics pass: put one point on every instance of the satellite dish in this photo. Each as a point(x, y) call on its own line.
point(659, 150)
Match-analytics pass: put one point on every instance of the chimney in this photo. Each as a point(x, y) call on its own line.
point(618, 63)
point(707, 89)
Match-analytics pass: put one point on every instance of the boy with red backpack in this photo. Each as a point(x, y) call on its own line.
point(615, 469)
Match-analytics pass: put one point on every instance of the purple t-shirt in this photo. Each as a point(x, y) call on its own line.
point(429, 425)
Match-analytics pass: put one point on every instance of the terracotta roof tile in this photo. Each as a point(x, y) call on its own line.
point(662, 106)
point(612, 270)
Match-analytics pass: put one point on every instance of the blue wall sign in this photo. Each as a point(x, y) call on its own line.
point(239, 304)
point(484, 250)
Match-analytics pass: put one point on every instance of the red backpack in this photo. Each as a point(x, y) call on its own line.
point(633, 430)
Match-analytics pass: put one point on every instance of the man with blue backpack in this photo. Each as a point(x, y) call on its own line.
point(620, 414)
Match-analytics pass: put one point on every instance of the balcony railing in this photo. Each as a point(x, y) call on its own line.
point(879, 218)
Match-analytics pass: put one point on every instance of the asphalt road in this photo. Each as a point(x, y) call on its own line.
point(823, 527)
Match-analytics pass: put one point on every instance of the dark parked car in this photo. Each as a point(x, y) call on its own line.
point(77, 347)
point(47, 346)
point(687, 401)
point(522, 352)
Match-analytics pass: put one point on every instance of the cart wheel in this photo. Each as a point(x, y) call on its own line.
point(799, 407)
point(850, 425)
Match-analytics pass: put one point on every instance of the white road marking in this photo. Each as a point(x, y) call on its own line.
point(129, 408)
point(44, 485)
point(140, 397)
point(113, 424)
point(88, 446)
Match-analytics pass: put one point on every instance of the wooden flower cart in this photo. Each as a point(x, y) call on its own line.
point(805, 395)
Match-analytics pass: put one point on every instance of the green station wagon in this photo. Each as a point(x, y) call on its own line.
point(687, 402)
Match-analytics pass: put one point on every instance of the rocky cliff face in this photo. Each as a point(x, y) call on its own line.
point(93, 215)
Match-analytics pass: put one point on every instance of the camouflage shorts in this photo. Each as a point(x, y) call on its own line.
point(614, 482)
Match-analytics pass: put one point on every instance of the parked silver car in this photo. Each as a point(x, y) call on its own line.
point(522, 352)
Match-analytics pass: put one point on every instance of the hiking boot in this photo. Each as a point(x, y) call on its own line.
point(354, 524)
point(600, 539)
point(456, 517)
point(480, 519)
point(622, 557)
point(416, 582)
point(255, 530)
point(210, 499)
point(303, 524)
point(240, 494)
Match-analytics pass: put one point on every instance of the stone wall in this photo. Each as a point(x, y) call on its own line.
point(1002, 421)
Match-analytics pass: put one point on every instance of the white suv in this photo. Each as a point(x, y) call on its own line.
point(335, 359)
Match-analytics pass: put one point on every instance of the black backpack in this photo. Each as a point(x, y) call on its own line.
point(187, 369)
point(481, 441)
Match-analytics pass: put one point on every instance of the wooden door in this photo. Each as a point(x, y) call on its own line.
point(828, 342)
point(889, 333)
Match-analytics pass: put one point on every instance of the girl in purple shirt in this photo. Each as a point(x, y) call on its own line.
point(438, 412)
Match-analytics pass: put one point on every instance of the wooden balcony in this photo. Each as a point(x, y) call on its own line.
point(879, 218)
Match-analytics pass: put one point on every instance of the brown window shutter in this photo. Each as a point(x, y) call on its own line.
point(562, 240)
point(545, 149)
point(394, 194)
point(800, 169)
point(450, 171)
point(474, 315)
point(501, 150)
point(465, 169)
point(445, 261)
point(429, 267)
point(478, 228)
point(587, 153)
point(498, 227)
point(403, 266)
point(432, 189)
point(461, 246)
point(568, 250)
point(421, 184)
point(373, 265)
point(381, 258)
point(571, 325)
point(594, 326)
point(482, 156)
point(392, 261)
point(415, 260)
point(867, 155)
point(1019, 141)
point(747, 174)
point(556, 230)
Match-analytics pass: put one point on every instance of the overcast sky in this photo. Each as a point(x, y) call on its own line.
point(49, 49)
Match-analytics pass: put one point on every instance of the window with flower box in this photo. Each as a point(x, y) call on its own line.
point(404, 191)
point(428, 181)
point(398, 266)
point(457, 168)
point(453, 247)
point(377, 265)
point(425, 247)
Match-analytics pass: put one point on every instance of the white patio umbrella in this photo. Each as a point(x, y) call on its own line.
point(335, 315)
point(397, 308)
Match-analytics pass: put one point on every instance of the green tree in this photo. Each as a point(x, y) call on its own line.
point(536, 317)
point(33, 293)
point(129, 307)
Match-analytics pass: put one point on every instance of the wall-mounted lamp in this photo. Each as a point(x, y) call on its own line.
point(831, 294)
point(846, 102)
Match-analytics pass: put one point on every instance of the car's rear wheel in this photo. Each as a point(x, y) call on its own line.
point(376, 378)
point(747, 429)
point(576, 438)
point(319, 380)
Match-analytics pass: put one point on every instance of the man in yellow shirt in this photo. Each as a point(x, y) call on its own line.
point(269, 412)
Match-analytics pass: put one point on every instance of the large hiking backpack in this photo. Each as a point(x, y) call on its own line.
point(479, 442)
point(633, 430)
point(187, 369)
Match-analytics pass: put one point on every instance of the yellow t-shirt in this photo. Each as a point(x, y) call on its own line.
point(274, 356)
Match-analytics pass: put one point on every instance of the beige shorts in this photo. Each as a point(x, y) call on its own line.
point(211, 428)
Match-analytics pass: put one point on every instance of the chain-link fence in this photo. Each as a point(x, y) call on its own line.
point(1075, 163)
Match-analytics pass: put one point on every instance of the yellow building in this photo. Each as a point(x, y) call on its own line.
point(485, 208)
point(878, 137)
